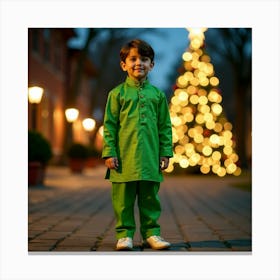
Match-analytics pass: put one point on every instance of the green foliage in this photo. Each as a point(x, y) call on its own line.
point(39, 148)
point(78, 150)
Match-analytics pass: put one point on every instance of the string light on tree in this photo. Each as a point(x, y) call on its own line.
point(202, 136)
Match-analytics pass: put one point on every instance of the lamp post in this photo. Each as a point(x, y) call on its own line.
point(71, 115)
point(89, 125)
point(35, 94)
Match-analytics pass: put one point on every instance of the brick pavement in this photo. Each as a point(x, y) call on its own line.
point(73, 213)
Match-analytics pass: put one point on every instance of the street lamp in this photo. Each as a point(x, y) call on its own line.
point(89, 125)
point(71, 115)
point(101, 130)
point(35, 94)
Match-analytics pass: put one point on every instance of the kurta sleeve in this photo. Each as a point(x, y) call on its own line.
point(164, 128)
point(111, 123)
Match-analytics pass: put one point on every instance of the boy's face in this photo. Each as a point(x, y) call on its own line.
point(137, 66)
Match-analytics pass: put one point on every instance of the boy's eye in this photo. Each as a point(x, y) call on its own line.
point(142, 58)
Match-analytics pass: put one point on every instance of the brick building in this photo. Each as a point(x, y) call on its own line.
point(51, 65)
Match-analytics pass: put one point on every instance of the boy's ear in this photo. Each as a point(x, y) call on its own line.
point(123, 65)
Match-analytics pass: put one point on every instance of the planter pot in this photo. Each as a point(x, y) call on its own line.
point(36, 173)
point(77, 165)
point(93, 162)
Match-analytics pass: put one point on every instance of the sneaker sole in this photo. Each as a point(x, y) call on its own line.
point(124, 249)
point(147, 245)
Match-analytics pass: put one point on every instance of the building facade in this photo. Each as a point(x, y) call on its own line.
point(52, 66)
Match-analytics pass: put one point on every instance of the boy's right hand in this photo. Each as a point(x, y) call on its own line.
point(112, 163)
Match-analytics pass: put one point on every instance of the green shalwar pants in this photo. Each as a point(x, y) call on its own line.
point(123, 200)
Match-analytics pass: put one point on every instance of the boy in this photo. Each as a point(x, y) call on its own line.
point(137, 146)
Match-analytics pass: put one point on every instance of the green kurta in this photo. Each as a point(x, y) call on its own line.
point(137, 130)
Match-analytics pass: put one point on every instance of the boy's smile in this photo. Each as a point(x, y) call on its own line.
point(137, 66)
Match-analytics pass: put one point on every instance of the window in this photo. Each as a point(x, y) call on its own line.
point(47, 39)
point(35, 39)
point(58, 57)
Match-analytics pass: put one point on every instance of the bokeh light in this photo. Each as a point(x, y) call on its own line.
point(202, 135)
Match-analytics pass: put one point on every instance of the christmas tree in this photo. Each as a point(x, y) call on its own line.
point(202, 135)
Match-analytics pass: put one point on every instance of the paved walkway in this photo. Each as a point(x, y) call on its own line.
point(73, 213)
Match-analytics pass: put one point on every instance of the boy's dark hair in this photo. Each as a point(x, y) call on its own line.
point(143, 47)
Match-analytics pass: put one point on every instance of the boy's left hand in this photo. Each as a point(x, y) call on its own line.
point(164, 161)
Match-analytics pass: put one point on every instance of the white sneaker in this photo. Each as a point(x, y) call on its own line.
point(157, 243)
point(124, 244)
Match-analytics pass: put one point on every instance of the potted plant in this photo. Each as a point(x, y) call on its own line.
point(94, 157)
point(39, 153)
point(77, 154)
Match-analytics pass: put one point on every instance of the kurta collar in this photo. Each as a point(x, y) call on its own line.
point(136, 84)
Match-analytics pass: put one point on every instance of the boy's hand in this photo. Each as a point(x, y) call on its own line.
point(164, 161)
point(112, 163)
